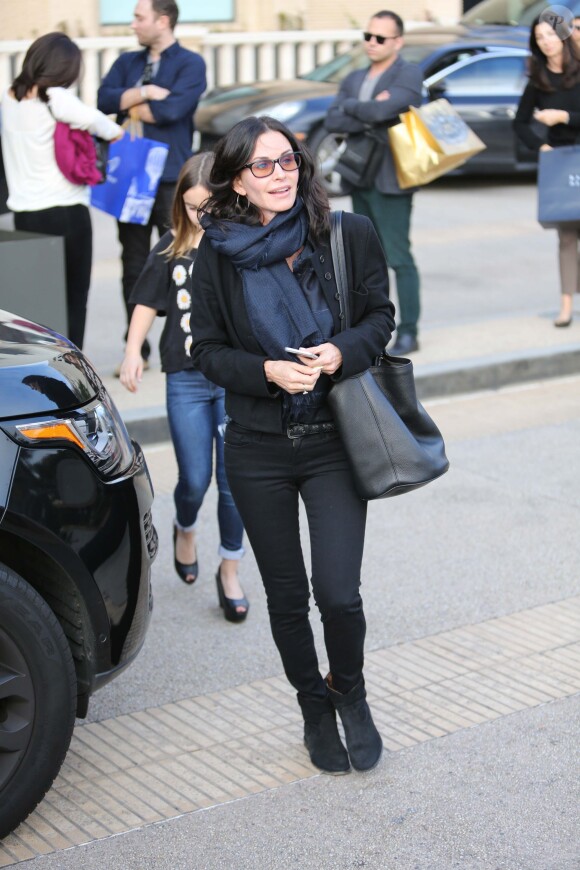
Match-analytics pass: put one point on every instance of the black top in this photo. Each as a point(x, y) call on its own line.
point(165, 285)
point(226, 351)
point(567, 99)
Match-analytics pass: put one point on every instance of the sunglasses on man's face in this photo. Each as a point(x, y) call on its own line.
point(380, 39)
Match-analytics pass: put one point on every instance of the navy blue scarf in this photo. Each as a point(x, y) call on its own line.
point(277, 308)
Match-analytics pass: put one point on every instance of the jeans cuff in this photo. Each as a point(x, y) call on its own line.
point(230, 554)
point(184, 528)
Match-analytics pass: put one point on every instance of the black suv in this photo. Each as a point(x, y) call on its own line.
point(76, 546)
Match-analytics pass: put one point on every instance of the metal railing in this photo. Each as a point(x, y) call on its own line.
point(230, 57)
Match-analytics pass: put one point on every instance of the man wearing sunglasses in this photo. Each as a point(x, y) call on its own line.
point(374, 98)
point(160, 86)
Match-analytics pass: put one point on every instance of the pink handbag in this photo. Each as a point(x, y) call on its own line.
point(76, 155)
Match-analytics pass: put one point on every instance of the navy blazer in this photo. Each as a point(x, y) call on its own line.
point(182, 72)
point(349, 114)
point(226, 351)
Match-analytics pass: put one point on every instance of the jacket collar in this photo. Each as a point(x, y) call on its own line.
point(167, 52)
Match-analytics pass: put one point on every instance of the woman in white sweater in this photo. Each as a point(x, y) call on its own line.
point(42, 199)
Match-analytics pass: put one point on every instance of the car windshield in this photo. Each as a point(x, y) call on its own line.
point(506, 12)
point(338, 68)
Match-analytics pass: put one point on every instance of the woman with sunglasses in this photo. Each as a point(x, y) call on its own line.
point(264, 282)
point(552, 98)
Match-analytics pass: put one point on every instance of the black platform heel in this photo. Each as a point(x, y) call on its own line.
point(187, 573)
point(230, 605)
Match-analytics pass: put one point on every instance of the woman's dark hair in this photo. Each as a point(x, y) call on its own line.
point(52, 61)
point(538, 69)
point(236, 149)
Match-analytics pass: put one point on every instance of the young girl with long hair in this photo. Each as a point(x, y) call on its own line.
point(195, 406)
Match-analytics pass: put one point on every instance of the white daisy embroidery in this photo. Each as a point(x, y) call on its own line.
point(180, 275)
point(183, 300)
point(184, 322)
point(188, 341)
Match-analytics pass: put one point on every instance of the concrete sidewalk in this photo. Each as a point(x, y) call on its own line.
point(193, 758)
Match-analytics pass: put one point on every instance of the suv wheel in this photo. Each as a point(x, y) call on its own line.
point(327, 148)
point(37, 699)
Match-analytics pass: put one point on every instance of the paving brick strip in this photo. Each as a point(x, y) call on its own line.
point(137, 769)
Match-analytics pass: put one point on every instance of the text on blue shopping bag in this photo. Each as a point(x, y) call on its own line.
point(134, 169)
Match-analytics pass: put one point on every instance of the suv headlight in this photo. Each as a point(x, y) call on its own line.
point(96, 429)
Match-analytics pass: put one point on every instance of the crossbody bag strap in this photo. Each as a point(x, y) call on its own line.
point(339, 260)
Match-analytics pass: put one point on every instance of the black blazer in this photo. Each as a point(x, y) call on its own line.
point(349, 114)
point(226, 351)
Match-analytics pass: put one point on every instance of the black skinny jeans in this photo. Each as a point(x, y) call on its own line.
point(73, 223)
point(135, 246)
point(267, 474)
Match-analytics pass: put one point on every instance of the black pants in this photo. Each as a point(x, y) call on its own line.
point(73, 223)
point(267, 474)
point(135, 246)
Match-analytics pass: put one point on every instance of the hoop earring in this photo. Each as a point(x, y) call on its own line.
point(239, 207)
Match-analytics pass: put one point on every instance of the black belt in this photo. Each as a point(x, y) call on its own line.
point(297, 430)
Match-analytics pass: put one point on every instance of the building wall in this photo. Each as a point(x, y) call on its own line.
point(338, 14)
point(27, 19)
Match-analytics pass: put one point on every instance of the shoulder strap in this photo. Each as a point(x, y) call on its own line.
point(339, 260)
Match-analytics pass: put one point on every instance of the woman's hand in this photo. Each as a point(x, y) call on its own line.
point(131, 371)
point(550, 117)
point(329, 358)
point(291, 376)
point(546, 147)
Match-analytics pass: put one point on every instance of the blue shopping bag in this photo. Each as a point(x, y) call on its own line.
point(559, 187)
point(134, 169)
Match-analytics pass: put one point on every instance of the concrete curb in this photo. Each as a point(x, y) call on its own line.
point(149, 425)
point(447, 379)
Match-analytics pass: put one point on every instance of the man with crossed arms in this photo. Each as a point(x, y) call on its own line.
point(160, 86)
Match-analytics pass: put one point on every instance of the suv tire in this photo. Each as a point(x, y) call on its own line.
point(327, 148)
point(37, 698)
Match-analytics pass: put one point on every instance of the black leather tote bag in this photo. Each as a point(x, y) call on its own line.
point(392, 444)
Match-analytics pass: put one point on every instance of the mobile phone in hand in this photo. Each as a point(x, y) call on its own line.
point(300, 351)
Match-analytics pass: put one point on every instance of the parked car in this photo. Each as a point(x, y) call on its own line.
point(488, 16)
point(483, 80)
point(76, 546)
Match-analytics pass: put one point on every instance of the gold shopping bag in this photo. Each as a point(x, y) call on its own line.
point(430, 141)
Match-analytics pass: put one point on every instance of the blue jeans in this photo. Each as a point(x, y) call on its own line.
point(195, 410)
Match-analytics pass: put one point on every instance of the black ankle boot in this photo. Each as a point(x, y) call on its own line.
point(363, 741)
point(321, 736)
